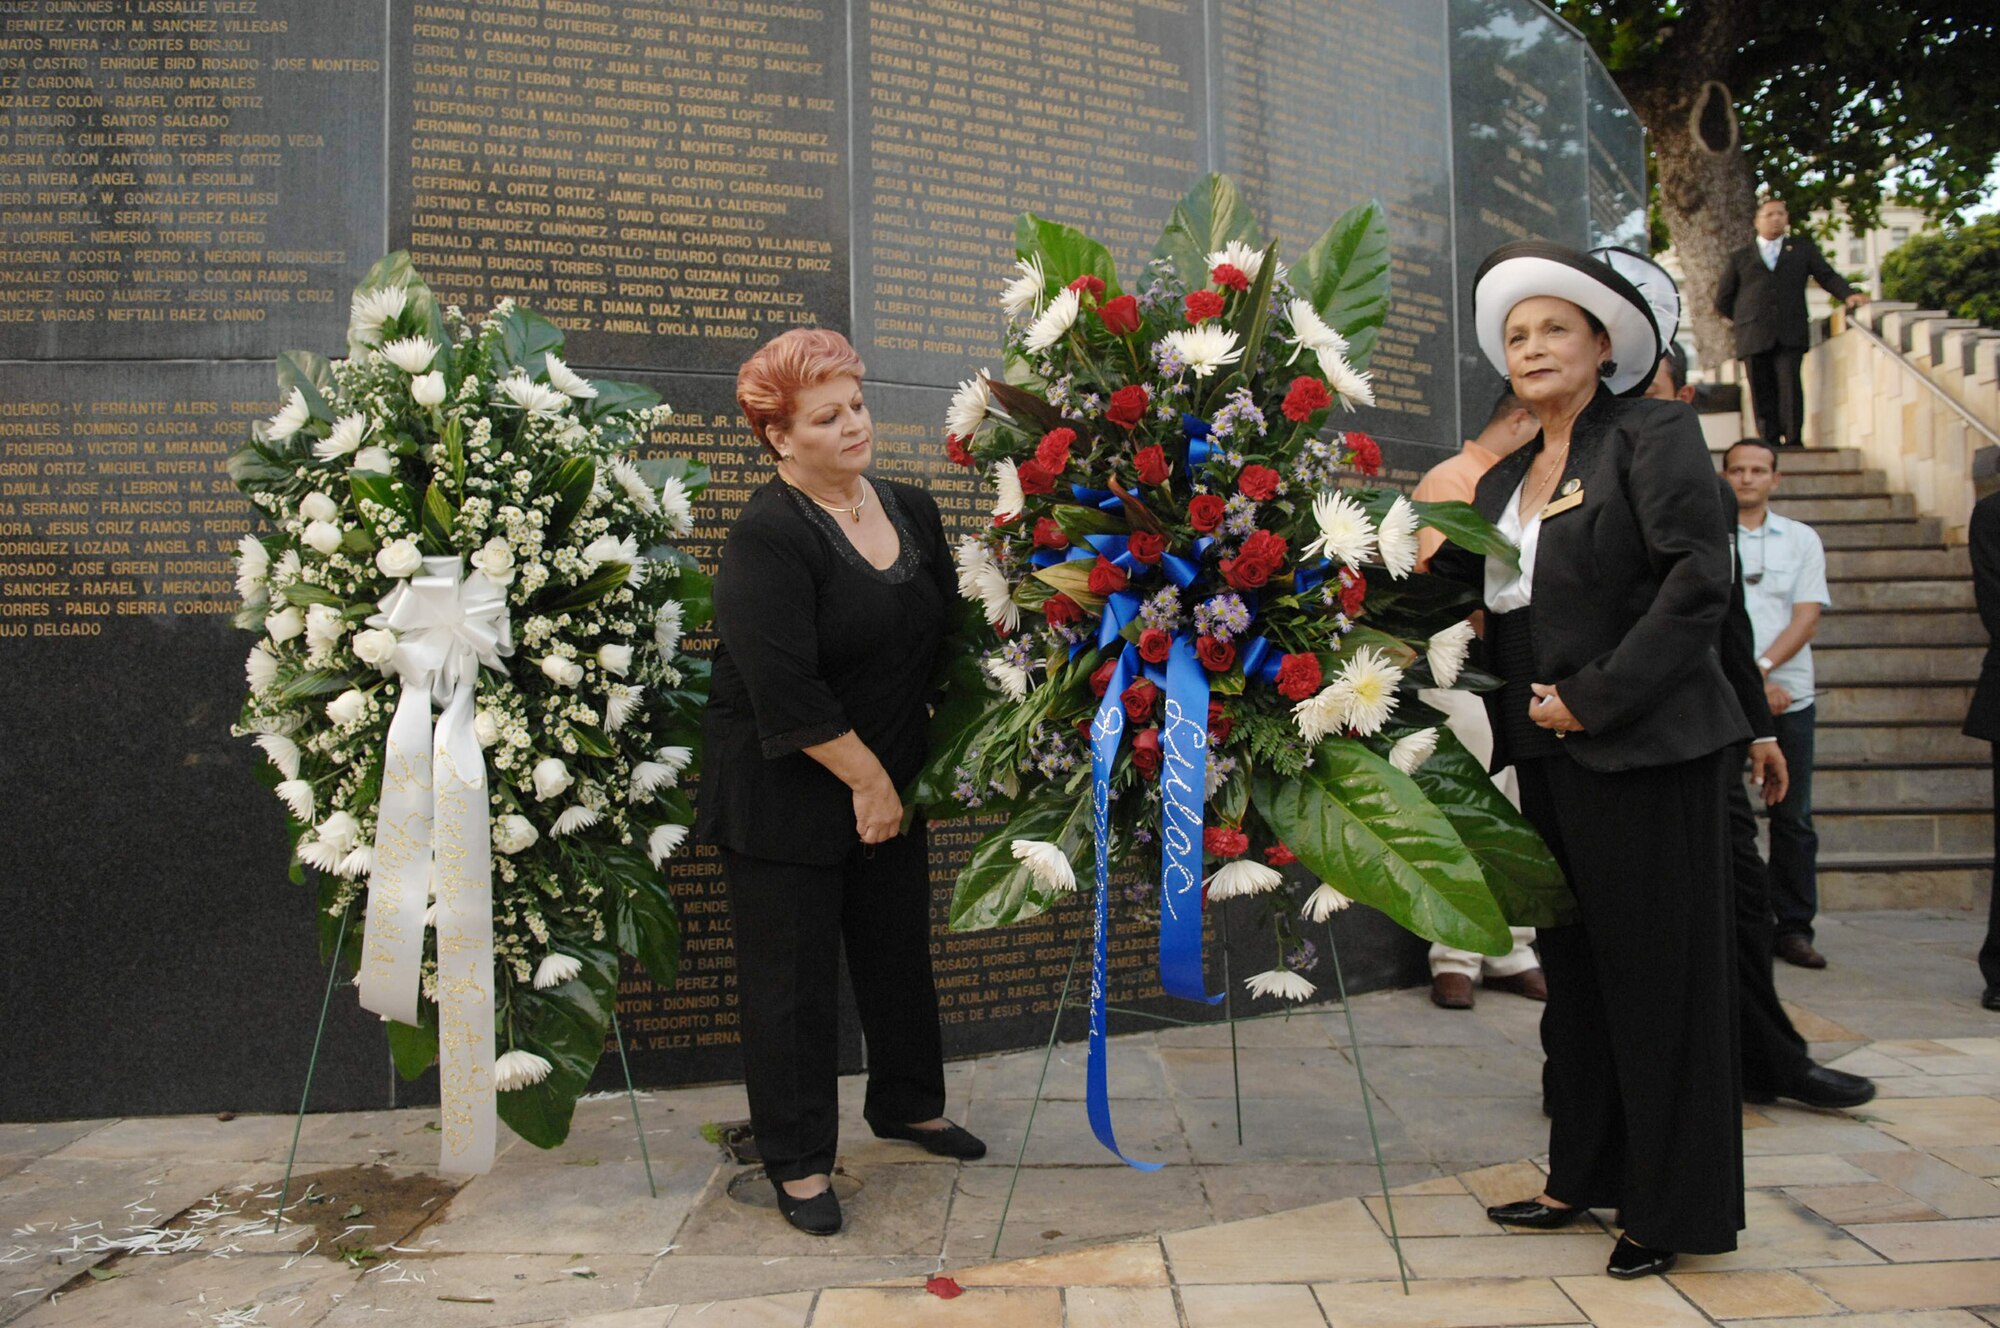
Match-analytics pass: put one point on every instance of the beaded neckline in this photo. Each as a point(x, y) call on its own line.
point(907, 554)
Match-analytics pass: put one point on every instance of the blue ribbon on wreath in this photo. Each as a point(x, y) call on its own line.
point(1260, 659)
point(1199, 448)
point(1183, 798)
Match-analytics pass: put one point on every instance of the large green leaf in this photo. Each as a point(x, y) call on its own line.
point(385, 491)
point(1213, 213)
point(649, 926)
point(957, 719)
point(1415, 607)
point(1345, 273)
point(438, 520)
point(314, 682)
point(1066, 253)
point(1462, 525)
point(995, 889)
point(692, 474)
point(588, 591)
point(1520, 870)
point(259, 468)
point(420, 311)
point(312, 375)
point(696, 593)
point(571, 483)
point(1366, 829)
point(526, 338)
point(414, 1049)
point(613, 397)
point(566, 1025)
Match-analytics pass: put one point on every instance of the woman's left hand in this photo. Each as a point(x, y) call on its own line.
point(1548, 710)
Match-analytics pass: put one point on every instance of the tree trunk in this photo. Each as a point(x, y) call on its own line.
point(1709, 200)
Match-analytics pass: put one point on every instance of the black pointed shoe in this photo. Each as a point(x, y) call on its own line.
point(1533, 1213)
point(817, 1216)
point(951, 1141)
point(1827, 1089)
point(1630, 1259)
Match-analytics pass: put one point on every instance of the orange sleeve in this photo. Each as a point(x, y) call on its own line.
point(1451, 480)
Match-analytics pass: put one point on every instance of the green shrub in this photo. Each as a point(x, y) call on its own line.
point(1956, 270)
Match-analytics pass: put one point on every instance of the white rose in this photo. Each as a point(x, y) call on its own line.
point(285, 624)
point(511, 834)
point(376, 459)
point(323, 536)
point(427, 389)
point(551, 778)
point(375, 646)
point(562, 672)
point(615, 659)
point(399, 557)
point(324, 626)
point(349, 706)
point(486, 728)
point(496, 560)
point(339, 832)
point(319, 507)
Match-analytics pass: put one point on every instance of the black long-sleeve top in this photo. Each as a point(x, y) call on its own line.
point(816, 642)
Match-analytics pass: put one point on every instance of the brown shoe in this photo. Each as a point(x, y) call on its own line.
point(1529, 983)
point(1451, 991)
point(1796, 949)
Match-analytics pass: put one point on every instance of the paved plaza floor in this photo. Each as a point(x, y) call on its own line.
point(1888, 1215)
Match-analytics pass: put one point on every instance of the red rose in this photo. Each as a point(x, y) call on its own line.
point(1256, 562)
point(1107, 577)
point(1100, 677)
point(956, 450)
point(1146, 752)
point(1307, 395)
point(1089, 285)
point(1266, 547)
point(1367, 452)
point(1245, 573)
point(1151, 463)
point(1120, 316)
point(1138, 700)
point(1053, 451)
point(1203, 304)
point(1154, 645)
point(1230, 275)
point(1298, 676)
point(1035, 477)
point(1146, 547)
point(1225, 841)
point(1128, 406)
point(1220, 725)
point(1061, 610)
point(1215, 654)
point(1205, 511)
point(1049, 535)
point(1258, 482)
point(1280, 856)
point(1353, 590)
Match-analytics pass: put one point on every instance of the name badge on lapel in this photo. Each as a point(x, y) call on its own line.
point(1571, 496)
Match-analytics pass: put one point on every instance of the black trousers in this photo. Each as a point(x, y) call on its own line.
point(1645, 1098)
point(1777, 395)
point(1989, 952)
point(1774, 1055)
point(791, 921)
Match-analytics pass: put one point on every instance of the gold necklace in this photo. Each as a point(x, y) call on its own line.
point(1548, 487)
point(853, 512)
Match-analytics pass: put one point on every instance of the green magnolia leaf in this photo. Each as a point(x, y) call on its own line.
point(1026, 406)
point(691, 473)
point(1520, 870)
point(1213, 213)
point(1072, 579)
point(256, 468)
point(591, 589)
point(1345, 273)
point(414, 1050)
point(649, 926)
point(591, 740)
point(314, 682)
point(1366, 829)
point(565, 1024)
point(1078, 522)
point(1416, 607)
point(1462, 525)
point(696, 593)
point(1066, 253)
point(995, 889)
point(613, 398)
point(967, 706)
point(312, 375)
point(439, 517)
point(386, 491)
point(420, 308)
point(1257, 305)
point(571, 483)
point(303, 592)
point(526, 338)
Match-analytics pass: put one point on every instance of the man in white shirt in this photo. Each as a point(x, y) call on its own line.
point(1784, 579)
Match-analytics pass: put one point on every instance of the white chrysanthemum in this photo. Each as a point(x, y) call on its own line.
point(675, 505)
point(567, 380)
point(1008, 497)
point(412, 355)
point(1320, 715)
point(675, 759)
point(291, 417)
point(260, 668)
point(1282, 983)
point(556, 969)
point(996, 598)
point(611, 549)
point(320, 857)
point(648, 778)
point(1367, 690)
point(634, 484)
point(969, 405)
point(1049, 864)
point(664, 841)
point(1323, 903)
point(1023, 294)
point(1346, 535)
point(297, 795)
point(667, 628)
point(370, 309)
point(1012, 678)
point(1447, 651)
point(533, 397)
point(281, 752)
point(1053, 322)
point(1238, 255)
point(345, 437)
point(620, 705)
point(359, 862)
point(253, 565)
point(519, 1069)
point(1242, 877)
point(1396, 540)
point(1413, 749)
point(970, 558)
point(1206, 348)
point(1348, 383)
point(573, 819)
point(1310, 332)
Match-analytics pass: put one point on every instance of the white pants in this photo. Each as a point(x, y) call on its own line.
point(1465, 715)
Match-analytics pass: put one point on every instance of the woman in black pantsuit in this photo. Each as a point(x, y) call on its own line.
point(830, 604)
point(1616, 715)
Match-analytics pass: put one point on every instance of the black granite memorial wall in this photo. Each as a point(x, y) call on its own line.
point(188, 189)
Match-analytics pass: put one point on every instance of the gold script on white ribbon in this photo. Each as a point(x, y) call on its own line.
point(433, 826)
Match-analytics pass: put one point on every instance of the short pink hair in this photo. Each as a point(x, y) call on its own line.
point(768, 384)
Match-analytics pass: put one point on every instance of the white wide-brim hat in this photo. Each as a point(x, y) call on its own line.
point(1651, 280)
point(1528, 268)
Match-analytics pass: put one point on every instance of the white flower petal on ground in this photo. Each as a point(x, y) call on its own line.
point(531, 396)
point(1243, 877)
point(1447, 651)
point(611, 549)
point(574, 819)
point(347, 708)
point(339, 831)
point(370, 309)
point(664, 841)
point(567, 380)
point(260, 668)
point(513, 834)
point(291, 417)
point(318, 856)
point(1323, 903)
point(322, 536)
point(969, 405)
point(297, 795)
point(667, 628)
point(1282, 983)
point(360, 861)
point(1320, 715)
point(1348, 383)
point(1367, 690)
point(556, 969)
point(1396, 540)
point(285, 624)
point(376, 460)
point(346, 436)
point(1011, 678)
point(1053, 322)
point(1022, 295)
point(428, 389)
point(1206, 348)
point(1346, 535)
point(1049, 864)
point(412, 355)
point(519, 1069)
point(1310, 332)
point(281, 752)
point(1238, 255)
point(1413, 749)
point(551, 778)
point(676, 506)
point(675, 759)
point(1008, 497)
point(620, 705)
point(253, 566)
point(635, 486)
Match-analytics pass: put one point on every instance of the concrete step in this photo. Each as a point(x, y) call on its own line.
point(1953, 564)
point(1951, 628)
point(1893, 665)
point(1893, 743)
point(1921, 882)
point(1830, 484)
point(1914, 833)
point(1954, 787)
point(1925, 532)
point(1808, 460)
point(1868, 596)
point(1929, 704)
point(1849, 507)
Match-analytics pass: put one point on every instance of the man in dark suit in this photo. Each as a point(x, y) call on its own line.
point(1983, 720)
point(1763, 292)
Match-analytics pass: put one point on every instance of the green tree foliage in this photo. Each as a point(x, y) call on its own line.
point(1957, 270)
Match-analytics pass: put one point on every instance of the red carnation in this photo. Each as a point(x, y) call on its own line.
point(1215, 654)
point(957, 450)
point(1353, 590)
point(1220, 725)
point(1128, 406)
point(1089, 285)
point(1205, 511)
point(1266, 547)
point(1256, 562)
point(1299, 676)
point(1151, 463)
point(1154, 645)
point(1367, 452)
point(1035, 477)
point(1100, 677)
point(1053, 451)
point(1120, 316)
point(1203, 304)
point(1146, 752)
point(1138, 700)
point(1307, 395)
point(1258, 482)
point(1107, 577)
point(1225, 841)
point(1061, 610)
point(1280, 856)
point(1230, 275)
point(1146, 547)
point(1049, 535)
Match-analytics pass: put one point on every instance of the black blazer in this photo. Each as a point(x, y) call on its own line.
point(1739, 641)
point(1631, 586)
point(1983, 719)
point(1769, 304)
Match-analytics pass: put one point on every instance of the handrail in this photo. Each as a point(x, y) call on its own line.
point(1937, 389)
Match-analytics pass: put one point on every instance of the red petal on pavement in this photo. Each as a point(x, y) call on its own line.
point(944, 1288)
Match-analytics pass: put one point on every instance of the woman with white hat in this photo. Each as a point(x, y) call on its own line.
point(1616, 716)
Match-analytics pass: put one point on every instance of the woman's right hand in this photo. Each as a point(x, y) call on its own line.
point(878, 812)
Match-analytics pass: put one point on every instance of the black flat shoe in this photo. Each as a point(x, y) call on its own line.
point(1630, 1259)
point(817, 1216)
point(1829, 1090)
point(951, 1141)
point(1533, 1213)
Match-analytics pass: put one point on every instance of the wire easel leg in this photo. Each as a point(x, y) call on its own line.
point(633, 1097)
point(1229, 1013)
point(326, 1003)
point(1367, 1107)
point(1062, 1002)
